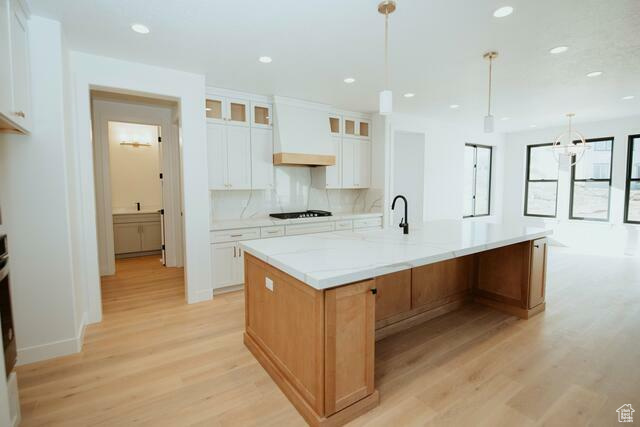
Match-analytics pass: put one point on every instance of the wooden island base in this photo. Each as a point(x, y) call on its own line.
point(318, 345)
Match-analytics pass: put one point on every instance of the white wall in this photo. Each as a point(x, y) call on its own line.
point(35, 199)
point(90, 71)
point(135, 170)
point(612, 237)
point(444, 159)
point(408, 175)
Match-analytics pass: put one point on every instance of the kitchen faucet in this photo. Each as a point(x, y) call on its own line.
point(404, 222)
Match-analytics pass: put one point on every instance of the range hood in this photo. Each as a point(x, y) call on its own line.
point(302, 136)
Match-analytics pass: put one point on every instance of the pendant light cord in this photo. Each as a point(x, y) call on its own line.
point(386, 50)
point(490, 78)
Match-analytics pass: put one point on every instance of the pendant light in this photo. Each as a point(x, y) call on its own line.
point(488, 119)
point(386, 96)
point(575, 145)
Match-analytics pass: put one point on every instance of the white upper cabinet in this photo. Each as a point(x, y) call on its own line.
point(261, 115)
point(335, 125)
point(217, 156)
point(239, 112)
point(239, 157)
point(356, 163)
point(229, 157)
point(261, 158)
point(15, 74)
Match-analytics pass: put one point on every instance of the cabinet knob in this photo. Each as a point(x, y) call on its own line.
point(374, 291)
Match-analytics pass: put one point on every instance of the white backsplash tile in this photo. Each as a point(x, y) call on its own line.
point(293, 192)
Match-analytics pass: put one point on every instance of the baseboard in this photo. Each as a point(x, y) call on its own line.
point(199, 296)
point(228, 289)
point(53, 349)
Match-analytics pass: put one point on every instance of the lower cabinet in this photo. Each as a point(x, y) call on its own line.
point(134, 237)
point(393, 294)
point(227, 264)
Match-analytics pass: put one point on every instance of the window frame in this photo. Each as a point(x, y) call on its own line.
point(527, 181)
point(475, 175)
point(627, 191)
point(609, 180)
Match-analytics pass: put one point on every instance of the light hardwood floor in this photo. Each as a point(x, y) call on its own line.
point(156, 361)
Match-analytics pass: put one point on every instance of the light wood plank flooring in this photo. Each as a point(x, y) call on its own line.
point(156, 361)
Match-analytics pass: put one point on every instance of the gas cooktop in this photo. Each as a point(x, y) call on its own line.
point(306, 214)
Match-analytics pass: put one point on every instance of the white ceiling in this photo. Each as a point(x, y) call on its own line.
point(436, 51)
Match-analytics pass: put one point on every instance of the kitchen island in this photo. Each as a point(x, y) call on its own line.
point(315, 304)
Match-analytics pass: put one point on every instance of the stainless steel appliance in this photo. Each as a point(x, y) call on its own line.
point(305, 214)
point(6, 316)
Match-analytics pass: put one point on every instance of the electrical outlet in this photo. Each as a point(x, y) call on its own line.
point(268, 283)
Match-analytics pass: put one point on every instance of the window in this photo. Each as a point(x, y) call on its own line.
point(632, 194)
point(477, 180)
point(541, 191)
point(591, 182)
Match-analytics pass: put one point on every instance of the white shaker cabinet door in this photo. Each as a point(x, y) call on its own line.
point(261, 158)
point(239, 157)
point(334, 173)
point(349, 156)
point(238, 274)
point(20, 66)
point(364, 160)
point(223, 264)
point(217, 156)
point(5, 64)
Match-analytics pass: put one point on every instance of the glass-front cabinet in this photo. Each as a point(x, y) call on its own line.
point(261, 115)
point(228, 110)
point(357, 128)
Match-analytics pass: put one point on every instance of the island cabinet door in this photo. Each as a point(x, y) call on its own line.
point(537, 276)
point(349, 344)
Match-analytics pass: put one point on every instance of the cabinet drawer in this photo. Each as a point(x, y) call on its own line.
point(344, 225)
point(367, 223)
point(220, 236)
point(322, 227)
point(275, 231)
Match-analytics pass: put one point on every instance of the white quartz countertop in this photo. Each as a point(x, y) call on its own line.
point(328, 260)
point(230, 224)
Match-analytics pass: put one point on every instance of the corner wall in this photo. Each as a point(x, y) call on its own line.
point(34, 196)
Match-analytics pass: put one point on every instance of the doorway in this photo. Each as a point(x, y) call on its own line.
point(408, 174)
point(137, 179)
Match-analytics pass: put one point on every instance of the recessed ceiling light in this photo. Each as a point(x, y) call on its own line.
point(628, 97)
point(559, 49)
point(349, 80)
point(454, 106)
point(503, 11)
point(140, 29)
point(409, 95)
point(504, 119)
point(594, 74)
point(265, 59)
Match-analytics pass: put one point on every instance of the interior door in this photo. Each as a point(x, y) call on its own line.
point(239, 157)
point(217, 156)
